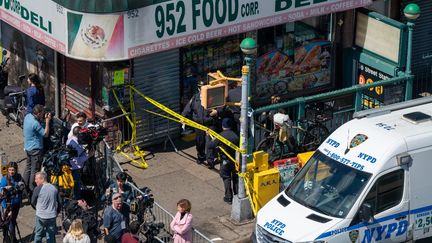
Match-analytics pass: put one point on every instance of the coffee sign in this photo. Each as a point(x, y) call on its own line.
point(178, 23)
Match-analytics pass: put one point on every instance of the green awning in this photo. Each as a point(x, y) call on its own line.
point(105, 6)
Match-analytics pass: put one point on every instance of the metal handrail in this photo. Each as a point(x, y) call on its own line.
point(196, 235)
point(357, 89)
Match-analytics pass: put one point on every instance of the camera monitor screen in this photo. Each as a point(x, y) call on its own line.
point(213, 96)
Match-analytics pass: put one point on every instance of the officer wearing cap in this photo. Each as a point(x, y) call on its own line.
point(208, 118)
point(227, 170)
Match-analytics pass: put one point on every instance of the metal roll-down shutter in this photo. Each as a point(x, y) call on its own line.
point(157, 76)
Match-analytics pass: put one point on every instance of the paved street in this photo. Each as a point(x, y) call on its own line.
point(170, 175)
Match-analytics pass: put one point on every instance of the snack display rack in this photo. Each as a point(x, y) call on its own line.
point(223, 54)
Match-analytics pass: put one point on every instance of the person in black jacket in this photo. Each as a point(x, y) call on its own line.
point(197, 113)
point(227, 170)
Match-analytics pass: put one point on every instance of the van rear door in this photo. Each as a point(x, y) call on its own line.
point(420, 193)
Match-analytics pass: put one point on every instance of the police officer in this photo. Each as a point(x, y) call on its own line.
point(208, 118)
point(234, 95)
point(227, 170)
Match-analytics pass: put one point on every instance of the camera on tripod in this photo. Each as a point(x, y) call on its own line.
point(55, 158)
point(141, 202)
point(88, 216)
point(9, 192)
point(151, 230)
point(92, 135)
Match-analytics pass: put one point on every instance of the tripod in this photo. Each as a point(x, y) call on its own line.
point(6, 219)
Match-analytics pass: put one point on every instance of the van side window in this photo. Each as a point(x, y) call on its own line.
point(385, 193)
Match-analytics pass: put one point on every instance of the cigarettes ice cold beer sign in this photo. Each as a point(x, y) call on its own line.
point(155, 28)
point(178, 23)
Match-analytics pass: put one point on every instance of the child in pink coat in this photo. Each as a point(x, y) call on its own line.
point(181, 225)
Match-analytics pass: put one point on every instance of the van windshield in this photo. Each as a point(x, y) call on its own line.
point(327, 186)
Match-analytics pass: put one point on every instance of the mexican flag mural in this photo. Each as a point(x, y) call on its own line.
point(96, 37)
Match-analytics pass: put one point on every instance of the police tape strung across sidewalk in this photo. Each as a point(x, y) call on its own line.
point(161, 215)
point(184, 120)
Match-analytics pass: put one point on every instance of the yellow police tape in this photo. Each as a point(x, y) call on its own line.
point(184, 120)
point(137, 151)
point(188, 122)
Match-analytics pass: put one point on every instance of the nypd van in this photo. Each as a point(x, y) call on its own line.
point(370, 181)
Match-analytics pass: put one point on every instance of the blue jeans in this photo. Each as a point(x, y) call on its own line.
point(45, 226)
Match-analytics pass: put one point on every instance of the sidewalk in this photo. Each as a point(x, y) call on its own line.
point(170, 175)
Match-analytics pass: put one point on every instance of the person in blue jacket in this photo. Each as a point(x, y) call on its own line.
point(11, 188)
point(35, 92)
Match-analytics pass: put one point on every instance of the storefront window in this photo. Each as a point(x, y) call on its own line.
point(197, 60)
point(294, 59)
point(113, 76)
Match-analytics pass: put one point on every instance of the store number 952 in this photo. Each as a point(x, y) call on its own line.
point(166, 21)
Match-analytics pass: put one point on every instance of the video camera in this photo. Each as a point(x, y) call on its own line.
point(92, 135)
point(89, 218)
point(151, 230)
point(8, 193)
point(55, 158)
point(141, 202)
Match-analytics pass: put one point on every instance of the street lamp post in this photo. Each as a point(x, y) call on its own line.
point(411, 12)
point(241, 209)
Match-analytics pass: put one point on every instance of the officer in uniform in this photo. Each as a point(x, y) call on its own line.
point(227, 170)
point(208, 118)
point(234, 95)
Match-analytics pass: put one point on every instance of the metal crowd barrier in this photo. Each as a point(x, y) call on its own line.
point(161, 214)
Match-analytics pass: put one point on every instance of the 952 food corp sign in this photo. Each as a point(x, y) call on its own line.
point(178, 23)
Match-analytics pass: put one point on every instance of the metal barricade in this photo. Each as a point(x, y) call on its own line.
point(161, 214)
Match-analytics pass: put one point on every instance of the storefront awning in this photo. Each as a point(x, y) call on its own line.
point(105, 6)
point(111, 30)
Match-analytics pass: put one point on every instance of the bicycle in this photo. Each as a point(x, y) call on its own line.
point(280, 142)
point(15, 103)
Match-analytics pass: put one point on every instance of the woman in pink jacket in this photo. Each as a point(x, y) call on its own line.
point(181, 225)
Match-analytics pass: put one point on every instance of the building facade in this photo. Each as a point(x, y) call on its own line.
point(84, 51)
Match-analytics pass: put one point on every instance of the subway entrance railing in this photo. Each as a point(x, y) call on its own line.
point(351, 99)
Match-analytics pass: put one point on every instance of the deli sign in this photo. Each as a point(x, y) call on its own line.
point(43, 22)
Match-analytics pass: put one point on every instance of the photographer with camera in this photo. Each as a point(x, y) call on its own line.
point(34, 133)
point(120, 186)
point(11, 188)
point(77, 162)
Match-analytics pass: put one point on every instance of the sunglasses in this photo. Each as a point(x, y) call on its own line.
point(116, 198)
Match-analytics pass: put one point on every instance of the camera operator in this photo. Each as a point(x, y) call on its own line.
point(116, 217)
point(11, 188)
point(34, 133)
point(77, 162)
point(81, 121)
point(120, 186)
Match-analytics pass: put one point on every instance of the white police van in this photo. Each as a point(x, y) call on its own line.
point(370, 181)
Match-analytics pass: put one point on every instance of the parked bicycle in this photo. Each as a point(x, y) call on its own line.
point(281, 142)
point(15, 103)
